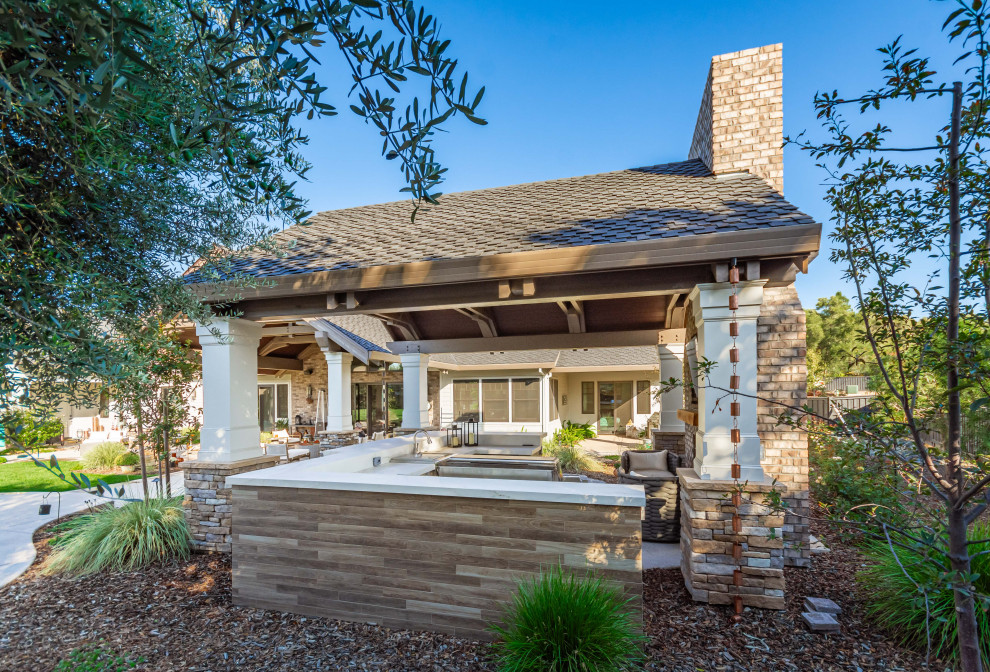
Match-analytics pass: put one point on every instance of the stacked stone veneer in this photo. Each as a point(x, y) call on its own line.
point(782, 377)
point(707, 539)
point(741, 120)
point(669, 441)
point(208, 501)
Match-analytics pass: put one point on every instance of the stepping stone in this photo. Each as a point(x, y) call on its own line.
point(821, 605)
point(816, 546)
point(820, 622)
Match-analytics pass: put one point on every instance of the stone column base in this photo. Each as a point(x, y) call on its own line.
point(670, 441)
point(339, 439)
point(208, 505)
point(707, 539)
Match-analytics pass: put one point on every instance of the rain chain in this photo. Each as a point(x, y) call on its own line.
point(734, 409)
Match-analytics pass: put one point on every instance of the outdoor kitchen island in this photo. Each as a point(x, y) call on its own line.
point(367, 534)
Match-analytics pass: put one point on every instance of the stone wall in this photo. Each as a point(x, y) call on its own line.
point(670, 441)
point(741, 121)
point(207, 503)
point(782, 376)
point(712, 571)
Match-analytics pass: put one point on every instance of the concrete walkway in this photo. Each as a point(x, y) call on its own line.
point(611, 445)
point(19, 519)
point(661, 556)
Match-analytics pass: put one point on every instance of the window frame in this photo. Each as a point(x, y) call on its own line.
point(639, 392)
point(480, 380)
point(586, 397)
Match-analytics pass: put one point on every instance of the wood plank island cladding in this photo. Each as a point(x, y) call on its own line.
point(419, 562)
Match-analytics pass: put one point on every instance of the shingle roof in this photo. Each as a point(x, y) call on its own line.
point(641, 355)
point(367, 331)
point(673, 199)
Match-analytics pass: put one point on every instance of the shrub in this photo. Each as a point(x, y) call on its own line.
point(571, 457)
point(846, 474)
point(127, 459)
point(103, 455)
point(3, 460)
point(895, 601)
point(96, 660)
point(31, 430)
point(559, 622)
point(123, 539)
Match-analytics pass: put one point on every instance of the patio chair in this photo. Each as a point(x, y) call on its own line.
point(656, 471)
point(285, 453)
point(282, 435)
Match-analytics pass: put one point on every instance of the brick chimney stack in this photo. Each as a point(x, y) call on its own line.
point(741, 121)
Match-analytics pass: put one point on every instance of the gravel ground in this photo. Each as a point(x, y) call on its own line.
point(179, 617)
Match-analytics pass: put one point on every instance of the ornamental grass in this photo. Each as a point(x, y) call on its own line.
point(896, 588)
point(122, 539)
point(560, 622)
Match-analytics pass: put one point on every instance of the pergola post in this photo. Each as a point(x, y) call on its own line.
point(230, 390)
point(339, 417)
point(671, 366)
point(714, 455)
point(415, 400)
point(230, 437)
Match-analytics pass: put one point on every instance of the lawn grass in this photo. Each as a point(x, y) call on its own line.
point(26, 476)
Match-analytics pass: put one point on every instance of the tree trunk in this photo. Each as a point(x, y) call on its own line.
point(969, 638)
point(968, 634)
point(144, 466)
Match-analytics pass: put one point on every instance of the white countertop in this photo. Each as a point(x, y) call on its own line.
point(352, 468)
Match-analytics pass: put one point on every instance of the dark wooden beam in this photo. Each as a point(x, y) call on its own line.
point(607, 339)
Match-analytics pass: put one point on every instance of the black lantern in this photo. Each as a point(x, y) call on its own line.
point(471, 433)
point(46, 508)
point(454, 436)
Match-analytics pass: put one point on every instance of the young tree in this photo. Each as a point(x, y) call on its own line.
point(912, 230)
point(139, 136)
point(835, 335)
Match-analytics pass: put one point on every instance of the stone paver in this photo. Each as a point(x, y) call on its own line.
point(661, 556)
point(19, 519)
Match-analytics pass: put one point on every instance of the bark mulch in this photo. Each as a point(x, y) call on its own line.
point(179, 617)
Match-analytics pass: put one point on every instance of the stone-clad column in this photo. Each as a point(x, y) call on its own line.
point(713, 458)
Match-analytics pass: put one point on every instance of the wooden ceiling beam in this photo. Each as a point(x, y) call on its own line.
point(283, 363)
point(607, 339)
point(574, 310)
point(483, 318)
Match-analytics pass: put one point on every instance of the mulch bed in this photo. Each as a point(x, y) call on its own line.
point(179, 617)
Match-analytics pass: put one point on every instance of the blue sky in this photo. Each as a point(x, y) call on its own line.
point(575, 88)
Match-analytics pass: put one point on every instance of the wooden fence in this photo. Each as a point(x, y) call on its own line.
point(840, 384)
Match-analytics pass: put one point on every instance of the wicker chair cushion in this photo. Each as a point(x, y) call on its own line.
point(647, 461)
point(651, 473)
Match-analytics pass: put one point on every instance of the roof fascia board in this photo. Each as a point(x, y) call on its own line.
point(795, 240)
point(340, 337)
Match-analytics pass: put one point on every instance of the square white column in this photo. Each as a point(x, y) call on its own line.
point(339, 417)
point(671, 366)
point(714, 457)
point(230, 429)
point(415, 401)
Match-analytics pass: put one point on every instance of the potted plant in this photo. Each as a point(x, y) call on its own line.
point(127, 463)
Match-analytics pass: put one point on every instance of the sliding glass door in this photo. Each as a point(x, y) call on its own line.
point(615, 407)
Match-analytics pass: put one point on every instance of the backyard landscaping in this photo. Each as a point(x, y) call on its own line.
point(179, 616)
point(26, 476)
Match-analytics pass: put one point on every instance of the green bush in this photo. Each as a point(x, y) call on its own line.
point(103, 455)
point(571, 434)
point(96, 660)
point(128, 459)
point(3, 460)
point(896, 603)
point(558, 622)
point(32, 430)
point(571, 457)
point(846, 474)
point(123, 539)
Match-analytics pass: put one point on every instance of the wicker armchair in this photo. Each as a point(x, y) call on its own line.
point(662, 516)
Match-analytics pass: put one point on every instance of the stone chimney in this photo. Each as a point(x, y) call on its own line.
point(741, 121)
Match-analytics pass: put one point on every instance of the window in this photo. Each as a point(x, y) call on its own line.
point(466, 400)
point(526, 400)
point(588, 397)
point(495, 400)
point(273, 405)
point(643, 397)
point(554, 390)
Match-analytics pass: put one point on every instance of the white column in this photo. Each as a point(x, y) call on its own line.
point(713, 458)
point(230, 429)
point(415, 400)
point(339, 417)
point(671, 366)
